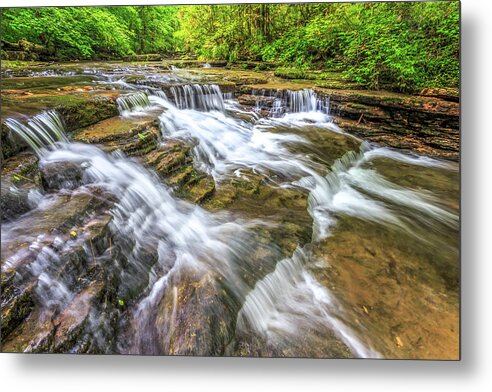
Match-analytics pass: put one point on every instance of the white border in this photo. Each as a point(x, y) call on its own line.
point(145, 374)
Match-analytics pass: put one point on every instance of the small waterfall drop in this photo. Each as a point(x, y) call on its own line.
point(281, 102)
point(303, 302)
point(198, 97)
point(132, 102)
point(307, 100)
point(41, 131)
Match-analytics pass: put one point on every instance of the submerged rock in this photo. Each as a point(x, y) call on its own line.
point(195, 316)
point(65, 244)
point(61, 175)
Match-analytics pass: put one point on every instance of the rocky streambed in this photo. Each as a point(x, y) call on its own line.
point(148, 209)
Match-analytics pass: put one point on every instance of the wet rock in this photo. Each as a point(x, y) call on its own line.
point(35, 334)
point(217, 63)
point(99, 233)
point(17, 304)
point(114, 129)
point(72, 322)
point(181, 176)
point(224, 196)
point(195, 316)
point(449, 94)
point(11, 144)
point(392, 119)
point(92, 111)
point(166, 160)
point(61, 175)
point(143, 57)
point(245, 79)
point(400, 118)
point(199, 189)
point(393, 293)
point(14, 201)
point(174, 164)
point(134, 137)
point(50, 330)
point(20, 176)
point(43, 87)
point(253, 100)
point(27, 325)
point(76, 110)
point(139, 145)
point(62, 214)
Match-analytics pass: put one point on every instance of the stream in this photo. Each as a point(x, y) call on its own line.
point(311, 243)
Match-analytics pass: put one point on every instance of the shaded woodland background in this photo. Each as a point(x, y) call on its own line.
point(409, 45)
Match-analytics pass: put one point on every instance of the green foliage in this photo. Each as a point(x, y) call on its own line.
point(407, 45)
point(399, 45)
point(95, 32)
point(290, 73)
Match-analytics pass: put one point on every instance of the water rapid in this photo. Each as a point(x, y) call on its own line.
point(221, 280)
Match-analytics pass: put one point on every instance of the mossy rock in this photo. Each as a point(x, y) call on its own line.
point(198, 190)
point(76, 110)
point(290, 73)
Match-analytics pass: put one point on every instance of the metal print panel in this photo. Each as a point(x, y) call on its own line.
point(265, 180)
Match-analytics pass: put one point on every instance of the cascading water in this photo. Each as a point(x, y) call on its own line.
point(180, 270)
point(281, 102)
point(280, 318)
point(145, 216)
point(198, 97)
point(40, 131)
point(227, 146)
point(132, 102)
point(307, 101)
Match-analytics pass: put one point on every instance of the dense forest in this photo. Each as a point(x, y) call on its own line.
point(407, 44)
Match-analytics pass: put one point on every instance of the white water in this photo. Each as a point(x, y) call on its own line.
point(132, 102)
point(289, 301)
point(42, 130)
point(227, 146)
point(282, 102)
point(198, 97)
point(148, 218)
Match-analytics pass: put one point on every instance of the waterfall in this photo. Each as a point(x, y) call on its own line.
point(228, 96)
point(157, 93)
point(281, 102)
point(132, 102)
point(146, 217)
point(41, 131)
point(198, 97)
point(227, 145)
point(233, 260)
point(303, 302)
point(307, 101)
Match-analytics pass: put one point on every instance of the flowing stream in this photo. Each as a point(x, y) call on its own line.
point(197, 280)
